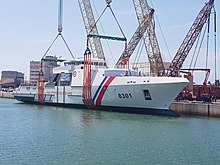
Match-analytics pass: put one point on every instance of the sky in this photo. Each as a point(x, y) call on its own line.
point(28, 27)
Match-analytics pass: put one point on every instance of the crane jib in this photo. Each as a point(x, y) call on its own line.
point(106, 37)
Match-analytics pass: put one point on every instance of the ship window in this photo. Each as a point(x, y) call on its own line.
point(147, 95)
point(65, 79)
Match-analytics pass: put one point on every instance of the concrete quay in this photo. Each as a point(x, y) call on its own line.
point(6, 95)
point(196, 108)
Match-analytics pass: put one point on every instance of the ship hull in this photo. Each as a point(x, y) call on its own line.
point(106, 89)
point(150, 97)
point(134, 110)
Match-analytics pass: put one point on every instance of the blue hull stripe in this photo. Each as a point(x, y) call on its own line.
point(99, 88)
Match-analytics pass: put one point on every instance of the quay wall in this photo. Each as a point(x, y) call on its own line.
point(196, 108)
point(6, 95)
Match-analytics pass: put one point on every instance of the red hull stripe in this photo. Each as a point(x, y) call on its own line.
point(104, 88)
point(99, 88)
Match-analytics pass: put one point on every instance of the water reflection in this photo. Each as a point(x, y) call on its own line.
point(40, 107)
point(89, 115)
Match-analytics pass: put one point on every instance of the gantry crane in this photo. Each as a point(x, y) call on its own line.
point(151, 44)
point(196, 28)
point(91, 28)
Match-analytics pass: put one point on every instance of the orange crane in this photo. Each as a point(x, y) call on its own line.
point(151, 44)
point(205, 95)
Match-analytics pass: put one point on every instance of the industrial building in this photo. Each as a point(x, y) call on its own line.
point(48, 64)
point(11, 79)
point(34, 71)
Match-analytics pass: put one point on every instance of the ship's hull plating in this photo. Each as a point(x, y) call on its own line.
point(121, 94)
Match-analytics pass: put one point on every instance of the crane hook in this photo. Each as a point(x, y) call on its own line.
point(108, 1)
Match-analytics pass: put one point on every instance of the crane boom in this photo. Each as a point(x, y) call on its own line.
point(91, 28)
point(135, 39)
point(151, 44)
point(190, 39)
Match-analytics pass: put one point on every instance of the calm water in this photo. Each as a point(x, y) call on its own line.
point(31, 134)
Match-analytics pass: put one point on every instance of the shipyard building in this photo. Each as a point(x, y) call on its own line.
point(11, 79)
point(48, 64)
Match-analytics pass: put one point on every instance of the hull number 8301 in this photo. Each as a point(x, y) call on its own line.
point(124, 95)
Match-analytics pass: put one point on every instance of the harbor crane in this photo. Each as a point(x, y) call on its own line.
point(91, 28)
point(150, 40)
point(192, 35)
point(174, 69)
point(145, 30)
point(124, 58)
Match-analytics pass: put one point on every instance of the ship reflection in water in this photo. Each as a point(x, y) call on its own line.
point(89, 115)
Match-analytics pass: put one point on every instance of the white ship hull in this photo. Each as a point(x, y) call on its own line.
point(115, 93)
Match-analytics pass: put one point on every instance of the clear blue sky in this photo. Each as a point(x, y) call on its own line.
point(29, 26)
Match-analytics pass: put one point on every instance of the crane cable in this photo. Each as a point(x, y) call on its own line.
point(194, 52)
point(162, 34)
point(110, 50)
point(114, 38)
point(207, 27)
point(60, 28)
point(215, 43)
point(138, 54)
point(207, 44)
point(203, 36)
